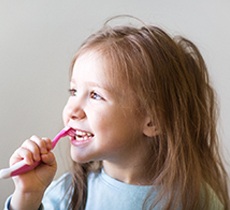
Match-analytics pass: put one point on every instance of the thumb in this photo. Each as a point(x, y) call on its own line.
point(49, 159)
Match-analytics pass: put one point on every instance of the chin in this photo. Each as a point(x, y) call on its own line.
point(80, 159)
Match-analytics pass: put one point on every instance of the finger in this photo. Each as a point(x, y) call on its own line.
point(49, 159)
point(41, 143)
point(48, 143)
point(33, 147)
point(31, 150)
point(22, 154)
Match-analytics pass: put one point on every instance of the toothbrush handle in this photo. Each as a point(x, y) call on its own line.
point(24, 168)
point(16, 169)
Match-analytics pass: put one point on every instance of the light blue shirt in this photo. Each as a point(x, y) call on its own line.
point(104, 193)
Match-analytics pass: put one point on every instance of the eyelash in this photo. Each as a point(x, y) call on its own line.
point(72, 92)
point(93, 94)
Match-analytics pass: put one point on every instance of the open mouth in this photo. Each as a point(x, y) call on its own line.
point(82, 135)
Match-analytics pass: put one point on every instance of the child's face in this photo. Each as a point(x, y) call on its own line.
point(107, 127)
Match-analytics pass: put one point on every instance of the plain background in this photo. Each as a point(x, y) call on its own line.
point(39, 38)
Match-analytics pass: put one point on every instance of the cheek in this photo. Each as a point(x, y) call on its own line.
point(101, 124)
point(109, 124)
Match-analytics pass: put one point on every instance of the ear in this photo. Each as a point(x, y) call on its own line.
point(150, 128)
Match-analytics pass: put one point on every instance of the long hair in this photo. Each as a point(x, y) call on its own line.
point(171, 83)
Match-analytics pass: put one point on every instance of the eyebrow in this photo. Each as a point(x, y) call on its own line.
point(105, 87)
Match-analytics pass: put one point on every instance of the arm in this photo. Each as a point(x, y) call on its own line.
point(25, 201)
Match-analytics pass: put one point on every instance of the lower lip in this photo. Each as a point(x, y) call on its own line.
point(76, 143)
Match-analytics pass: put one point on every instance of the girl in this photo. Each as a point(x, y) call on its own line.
point(144, 113)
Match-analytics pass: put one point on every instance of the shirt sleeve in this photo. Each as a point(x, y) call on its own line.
point(7, 203)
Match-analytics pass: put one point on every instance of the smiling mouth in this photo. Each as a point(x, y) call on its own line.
point(82, 135)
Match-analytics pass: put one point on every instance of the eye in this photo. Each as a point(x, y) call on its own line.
point(72, 92)
point(95, 96)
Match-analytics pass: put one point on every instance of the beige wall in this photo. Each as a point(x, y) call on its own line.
point(39, 38)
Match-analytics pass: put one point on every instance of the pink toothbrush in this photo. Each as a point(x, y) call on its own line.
point(21, 167)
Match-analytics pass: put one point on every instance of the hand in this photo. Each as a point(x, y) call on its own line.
point(33, 183)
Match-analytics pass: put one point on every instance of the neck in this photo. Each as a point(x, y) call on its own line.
point(132, 169)
point(134, 175)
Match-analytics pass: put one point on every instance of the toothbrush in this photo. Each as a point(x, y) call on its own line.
point(21, 167)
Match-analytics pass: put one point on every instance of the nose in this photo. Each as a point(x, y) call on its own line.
point(73, 111)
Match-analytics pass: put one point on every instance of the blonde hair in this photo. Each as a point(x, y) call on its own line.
point(171, 84)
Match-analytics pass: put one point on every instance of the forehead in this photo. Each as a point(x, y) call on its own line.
point(100, 66)
point(93, 69)
point(88, 66)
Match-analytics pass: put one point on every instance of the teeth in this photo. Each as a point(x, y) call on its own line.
point(81, 135)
